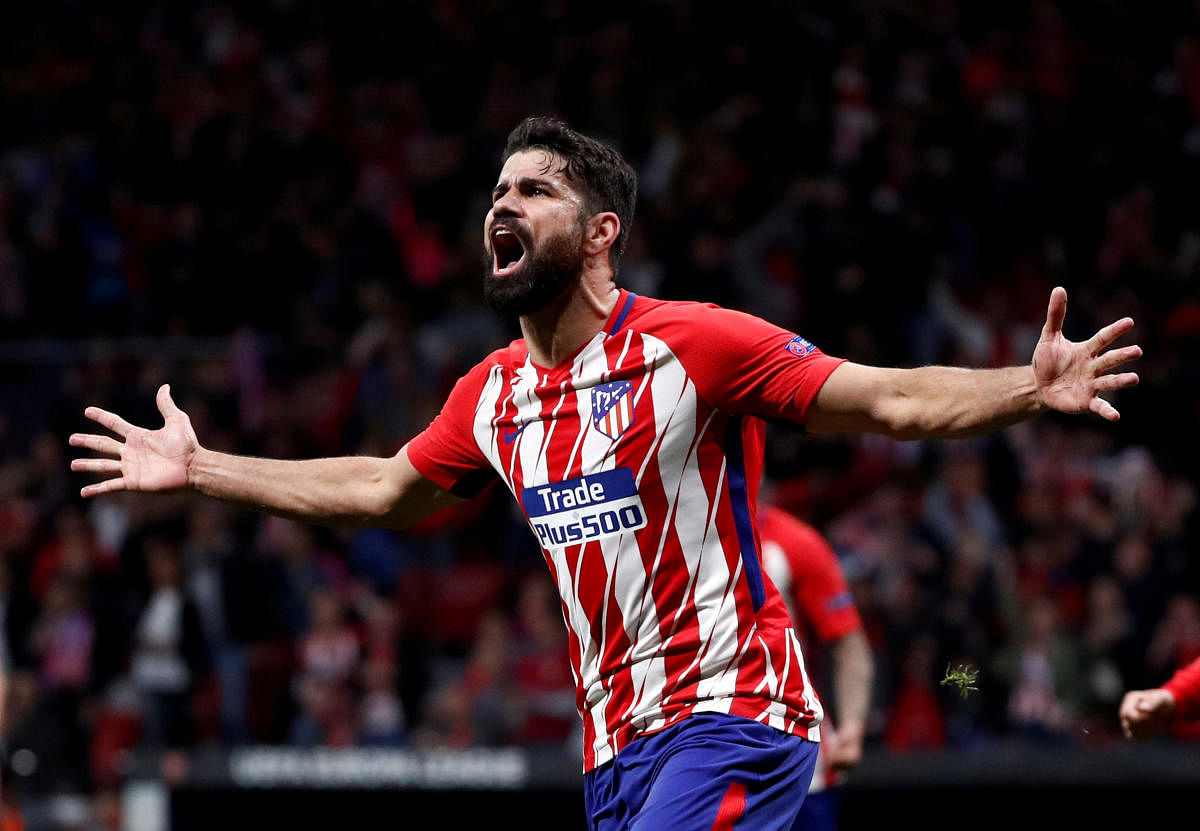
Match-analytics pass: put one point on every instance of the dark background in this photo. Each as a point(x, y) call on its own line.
point(276, 206)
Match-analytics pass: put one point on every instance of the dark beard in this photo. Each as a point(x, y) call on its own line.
point(545, 275)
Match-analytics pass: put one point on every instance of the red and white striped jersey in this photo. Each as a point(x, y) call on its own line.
point(637, 461)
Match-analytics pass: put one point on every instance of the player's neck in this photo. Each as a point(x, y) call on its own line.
point(566, 323)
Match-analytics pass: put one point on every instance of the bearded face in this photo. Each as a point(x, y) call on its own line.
point(520, 277)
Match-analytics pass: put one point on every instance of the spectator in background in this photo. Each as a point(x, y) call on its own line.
point(328, 660)
point(1111, 656)
point(471, 703)
point(53, 698)
point(381, 719)
point(326, 714)
point(1042, 673)
point(171, 656)
point(330, 649)
point(71, 551)
point(391, 640)
point(542, 681)
point(487, 680)
point(915, 719)
point(212, 555)
point(447, 720)
point(1176, 641)
point(62, 639)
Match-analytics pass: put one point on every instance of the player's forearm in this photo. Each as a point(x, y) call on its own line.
point(853, 675)
point(950, 402)
point(351, 490)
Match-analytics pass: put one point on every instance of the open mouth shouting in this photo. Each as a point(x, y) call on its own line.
point(508, 250)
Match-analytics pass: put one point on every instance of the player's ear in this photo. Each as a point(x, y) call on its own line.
point(602, 231)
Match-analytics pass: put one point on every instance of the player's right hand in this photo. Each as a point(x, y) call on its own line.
point(843, 747)
point(1146, 713)
point(146, 460)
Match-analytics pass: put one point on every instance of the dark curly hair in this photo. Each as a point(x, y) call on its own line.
point(600, 173)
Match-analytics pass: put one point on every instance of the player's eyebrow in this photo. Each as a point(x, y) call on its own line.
point(524, 183)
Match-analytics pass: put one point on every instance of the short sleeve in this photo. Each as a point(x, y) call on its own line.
point(1185, 686)
point(446, 452)
point(742, 363)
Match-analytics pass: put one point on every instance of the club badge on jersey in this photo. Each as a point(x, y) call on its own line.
point(612, 408)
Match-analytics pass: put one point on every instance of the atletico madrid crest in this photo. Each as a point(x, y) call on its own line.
point(612, 408)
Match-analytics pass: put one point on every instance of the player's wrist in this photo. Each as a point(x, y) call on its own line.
point(1030, 389)
point(199, 461)
point(851, 733)
point(1168, 700)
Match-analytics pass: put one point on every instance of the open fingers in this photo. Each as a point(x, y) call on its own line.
point(1116, 357)
point(166, 404)
point(1108, 383)
point(1056, 312)
point(96, 465)
point(107, 486)
point(1109, 334)
point(1103, 409)
point(110, 420)
point(100, 444)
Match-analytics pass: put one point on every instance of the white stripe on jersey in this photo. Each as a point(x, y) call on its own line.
point(487, 436)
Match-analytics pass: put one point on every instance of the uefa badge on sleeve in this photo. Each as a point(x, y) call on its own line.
point(799, 347)
point(612, 408)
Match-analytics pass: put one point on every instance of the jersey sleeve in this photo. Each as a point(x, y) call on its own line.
point(1185, 686)
point(820, 588)
point(446, 451)
point(742, 363)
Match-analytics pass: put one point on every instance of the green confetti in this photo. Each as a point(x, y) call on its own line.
point(962, 677)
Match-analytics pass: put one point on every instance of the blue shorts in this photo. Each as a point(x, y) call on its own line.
point(710, 772)
point(819, 812)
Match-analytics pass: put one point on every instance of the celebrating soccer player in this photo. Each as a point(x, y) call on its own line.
point(623, 426)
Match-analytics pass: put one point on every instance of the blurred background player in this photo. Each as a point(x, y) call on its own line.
point(1149, 713)
point(806, 570)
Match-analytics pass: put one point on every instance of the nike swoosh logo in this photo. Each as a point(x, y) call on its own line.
point(510, 435)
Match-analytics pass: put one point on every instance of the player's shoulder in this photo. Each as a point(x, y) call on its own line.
point(676, 320)
point(656, 309)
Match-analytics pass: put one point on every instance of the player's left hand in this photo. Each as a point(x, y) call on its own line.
point(1070, 376)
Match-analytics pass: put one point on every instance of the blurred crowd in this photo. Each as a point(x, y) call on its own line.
point(277, 205)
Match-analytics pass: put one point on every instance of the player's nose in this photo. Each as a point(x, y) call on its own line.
point(507, 203)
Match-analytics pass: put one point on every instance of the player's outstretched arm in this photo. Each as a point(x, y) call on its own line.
point(946, 402)
point(352, 490)
point(1146, 713)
